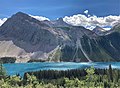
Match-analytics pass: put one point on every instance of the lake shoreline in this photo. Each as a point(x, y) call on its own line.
point(12, 68)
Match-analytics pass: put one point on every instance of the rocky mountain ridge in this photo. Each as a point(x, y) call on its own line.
point(26, 38)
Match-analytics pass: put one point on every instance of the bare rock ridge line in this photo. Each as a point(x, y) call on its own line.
point(27, 38)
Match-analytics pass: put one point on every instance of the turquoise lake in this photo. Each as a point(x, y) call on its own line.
point(21, 68)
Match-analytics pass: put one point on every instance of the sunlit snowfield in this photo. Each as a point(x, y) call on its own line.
point(21, 68)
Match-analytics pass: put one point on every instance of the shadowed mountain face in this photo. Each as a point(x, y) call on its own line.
point(26, 38)
point(28, 33)
point(99, 31)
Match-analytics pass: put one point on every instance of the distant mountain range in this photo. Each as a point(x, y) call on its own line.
point(28, 39)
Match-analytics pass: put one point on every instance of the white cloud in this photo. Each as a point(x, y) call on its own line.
point(91, 21)
point(86, 11)
point(2, 21)
point(107, 28)
point(40, 18)
point(88, 21)
point(90, 27)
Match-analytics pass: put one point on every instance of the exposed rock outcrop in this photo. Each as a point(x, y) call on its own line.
point(28, 39)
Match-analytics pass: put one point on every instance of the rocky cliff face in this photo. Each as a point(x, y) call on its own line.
point(99, 31)
point(26, 38)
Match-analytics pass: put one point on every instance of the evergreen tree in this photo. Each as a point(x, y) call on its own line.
point(110, 73)
point(2, 70)
point(90, 72)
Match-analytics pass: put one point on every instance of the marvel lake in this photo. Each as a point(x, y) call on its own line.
point(21, 68)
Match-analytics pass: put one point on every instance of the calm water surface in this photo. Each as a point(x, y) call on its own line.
point(21, 68)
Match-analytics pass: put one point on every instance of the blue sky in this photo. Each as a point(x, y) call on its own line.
point(87, 13)
point(59, 8)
